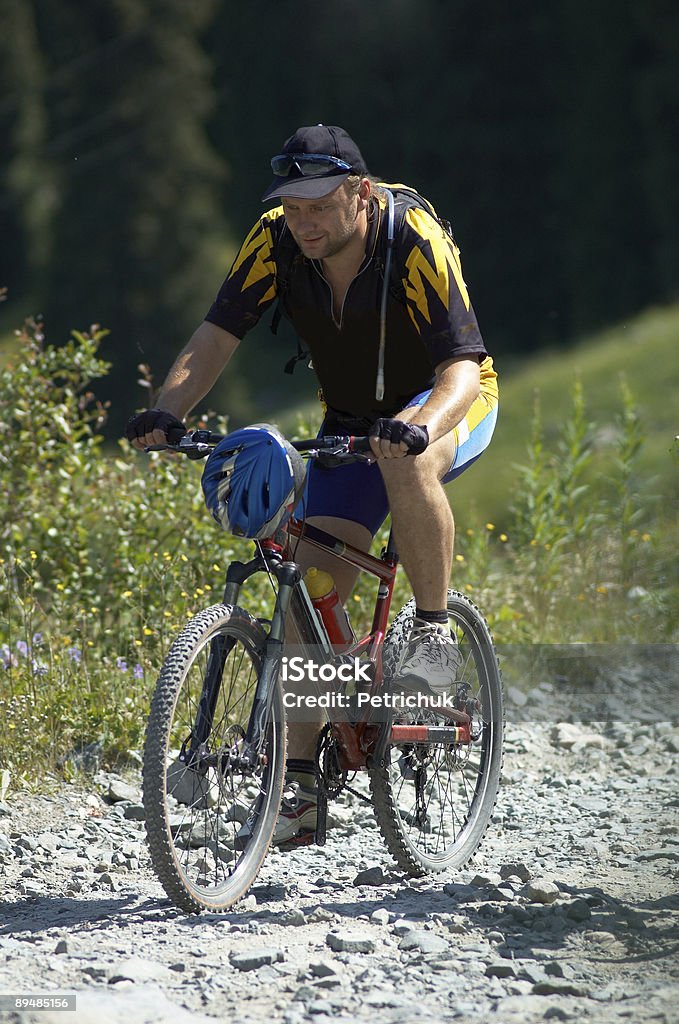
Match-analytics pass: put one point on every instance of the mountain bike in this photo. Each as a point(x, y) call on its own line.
point(215, 750)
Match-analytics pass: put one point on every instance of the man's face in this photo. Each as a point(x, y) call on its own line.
point(322, 227)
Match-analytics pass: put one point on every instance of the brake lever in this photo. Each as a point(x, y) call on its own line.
point(192, 449)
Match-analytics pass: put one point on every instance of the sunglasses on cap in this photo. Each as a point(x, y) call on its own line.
point(306, 164)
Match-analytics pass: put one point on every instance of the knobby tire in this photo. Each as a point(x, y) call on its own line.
point(201, 850)
point(457, 786)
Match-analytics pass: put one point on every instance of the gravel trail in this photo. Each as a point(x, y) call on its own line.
point(569, 911)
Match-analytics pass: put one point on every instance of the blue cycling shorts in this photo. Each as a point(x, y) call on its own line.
point(357, 491)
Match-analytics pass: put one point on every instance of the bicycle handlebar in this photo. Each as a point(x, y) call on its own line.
point(197, 444)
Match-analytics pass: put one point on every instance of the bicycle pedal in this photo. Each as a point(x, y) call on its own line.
point(321, 818)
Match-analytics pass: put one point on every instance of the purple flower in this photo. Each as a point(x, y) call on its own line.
point(37, 639)
point(22, 647)
point(121, 664)
point(8, 658)
point(75, 654)
point(138, 672)
point(39, 669)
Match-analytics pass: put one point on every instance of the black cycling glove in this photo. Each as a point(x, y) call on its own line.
point(414, 438)
point(152, 419)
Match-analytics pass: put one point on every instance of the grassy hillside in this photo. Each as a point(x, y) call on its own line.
point(644, 350)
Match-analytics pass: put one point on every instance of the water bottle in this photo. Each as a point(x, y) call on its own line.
point(325, 599)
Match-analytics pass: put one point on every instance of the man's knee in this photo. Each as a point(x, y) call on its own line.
point(419, 470)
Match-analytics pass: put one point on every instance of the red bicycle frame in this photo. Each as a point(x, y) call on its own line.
point(358, 740)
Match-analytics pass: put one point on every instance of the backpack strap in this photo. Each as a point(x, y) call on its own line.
point(287, 252)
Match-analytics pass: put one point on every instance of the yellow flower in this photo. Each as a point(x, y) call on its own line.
point(126, 593)
point(470, 533)
point(645, 537)
point(138, 643)
point(490, 526)
point(147, 631)
point(504, 537)
point(33, 556)
point(602, 590)
point(459, 558)
point(183, 558)
point(217, 568)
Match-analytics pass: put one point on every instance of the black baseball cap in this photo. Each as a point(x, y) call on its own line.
point(313, 162)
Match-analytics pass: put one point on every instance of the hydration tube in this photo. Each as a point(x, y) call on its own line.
point(379, 385)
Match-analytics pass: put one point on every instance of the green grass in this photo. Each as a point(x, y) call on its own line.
point(644, 350)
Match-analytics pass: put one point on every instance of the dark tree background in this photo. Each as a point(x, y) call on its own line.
point(135, 139)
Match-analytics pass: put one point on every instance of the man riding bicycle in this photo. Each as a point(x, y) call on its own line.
point(379, 301)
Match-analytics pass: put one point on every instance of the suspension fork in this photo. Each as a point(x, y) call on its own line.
point(220, 648)
point(289, 575)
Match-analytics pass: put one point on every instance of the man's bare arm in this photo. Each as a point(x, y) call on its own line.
point(193, 373)
point(456, 387)
point(196, 369)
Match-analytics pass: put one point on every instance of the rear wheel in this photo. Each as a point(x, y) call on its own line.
point(433, 801)
point(210, 815)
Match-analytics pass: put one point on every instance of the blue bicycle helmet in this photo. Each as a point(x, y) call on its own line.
point(252, 481)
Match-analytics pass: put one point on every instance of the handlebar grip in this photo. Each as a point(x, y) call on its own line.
point(360, 445)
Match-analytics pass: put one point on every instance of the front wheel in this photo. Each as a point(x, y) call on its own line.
point(433, 801)
point(211, 798)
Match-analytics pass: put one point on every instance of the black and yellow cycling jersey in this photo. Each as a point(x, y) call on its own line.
point(429, 315)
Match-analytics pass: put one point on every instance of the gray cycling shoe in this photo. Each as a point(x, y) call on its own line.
point(430, 660)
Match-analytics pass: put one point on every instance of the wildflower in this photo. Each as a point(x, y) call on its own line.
point(504, 538)
point(459, 558)
point(490, 526)
point(75, 654)
point(147, 631)
point(645, 537)
point(138, 671)
point(602, 590)
point(39, 669)
point(121, 664)
point(8, 659)
point(22, 648)
point(126, 593)
point(37, 639)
